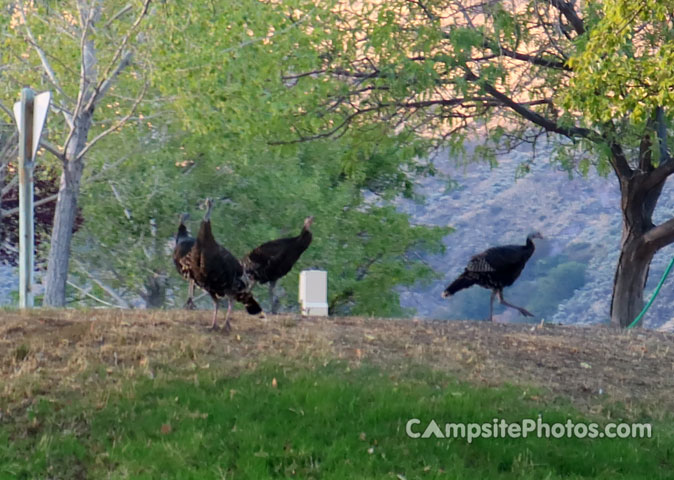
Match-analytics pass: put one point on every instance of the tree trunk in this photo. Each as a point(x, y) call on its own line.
point(638, 202)
point(630, 281)
point(62, 234)
point(155, 292)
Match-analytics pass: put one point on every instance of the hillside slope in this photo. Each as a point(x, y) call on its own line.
point(46, 352)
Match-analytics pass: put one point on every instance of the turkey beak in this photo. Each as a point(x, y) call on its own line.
point(209, 206)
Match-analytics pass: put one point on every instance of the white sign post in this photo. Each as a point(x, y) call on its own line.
point(30, 113)
point(313, 294)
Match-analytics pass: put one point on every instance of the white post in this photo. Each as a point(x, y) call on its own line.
point(26, 233)
point(30, 113)
point(313, 292)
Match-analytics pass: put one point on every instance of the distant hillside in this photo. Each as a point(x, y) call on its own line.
point(570, 276)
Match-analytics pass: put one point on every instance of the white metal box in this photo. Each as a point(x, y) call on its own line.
point(313, 294)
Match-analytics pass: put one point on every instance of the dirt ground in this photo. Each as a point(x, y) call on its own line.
point(43, 352)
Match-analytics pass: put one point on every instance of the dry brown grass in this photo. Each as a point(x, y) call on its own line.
point(45, 352)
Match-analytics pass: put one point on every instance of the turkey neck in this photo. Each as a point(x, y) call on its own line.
point(530, 247)
point(304, 238)
point(205, 236)
point(182, 233)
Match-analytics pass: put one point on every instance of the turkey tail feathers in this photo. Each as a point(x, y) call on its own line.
point(464, 281)
point(252, 307)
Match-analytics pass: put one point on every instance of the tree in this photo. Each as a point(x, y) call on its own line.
point(598, 81)
point(208, 135)
point(625, 80)
point(79, 49)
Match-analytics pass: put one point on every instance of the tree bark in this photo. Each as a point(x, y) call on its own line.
point(62, 234)
point(641, 239)
point(155, 292)
point(65, 213)
point(630, 281)
point(73, 164)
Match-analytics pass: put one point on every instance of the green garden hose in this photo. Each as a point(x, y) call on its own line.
point(655, 294)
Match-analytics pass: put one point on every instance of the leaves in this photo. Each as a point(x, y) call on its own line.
point(223, 104)
point(625, 68)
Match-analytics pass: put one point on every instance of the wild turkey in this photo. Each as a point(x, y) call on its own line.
point(184, 244)
point(495, 269)
point(218, 272)
point(273, 260)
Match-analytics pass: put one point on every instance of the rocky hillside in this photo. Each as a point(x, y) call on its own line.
point(569, 278)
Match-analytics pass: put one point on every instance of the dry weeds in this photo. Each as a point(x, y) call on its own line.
point(45, 352)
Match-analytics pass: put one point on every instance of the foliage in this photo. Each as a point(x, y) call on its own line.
point(553, 288)
point(367, 249)
point(595, 76)
point(232, 116)
point(626, 67)
point(235, 96)
point(420, 67)
point(81, 51)
point(213, 108)
point(48, 32)
point(327, 421)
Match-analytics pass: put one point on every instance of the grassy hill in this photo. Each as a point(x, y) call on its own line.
point(131, 394)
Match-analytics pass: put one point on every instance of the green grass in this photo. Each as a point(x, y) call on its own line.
point(328, 422)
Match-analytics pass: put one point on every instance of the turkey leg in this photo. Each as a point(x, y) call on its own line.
point(524, 312)
point(189, 304)
point(272, 298)
point(214, 325)
point(491, 306)
point(228, 327)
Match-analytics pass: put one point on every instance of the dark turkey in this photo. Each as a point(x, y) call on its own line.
point(273, 260)
point(184, 244)
point(218, 272)
point(495, 269)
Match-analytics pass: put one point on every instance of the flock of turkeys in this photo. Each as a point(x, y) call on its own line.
point(206, 263)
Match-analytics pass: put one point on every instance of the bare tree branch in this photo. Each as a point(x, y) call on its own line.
point(660, 236)
point(93, 297)
point(567, 9)
point(9, 113)
point(123, 11)
point(427, 12)
point(109, 79)
point(8, 188)
point(106, 168)
point(85, 67)
point(534, 60)
point(118, 197)
point(37, 203)
point(617, 158)
point(528, 114)
point(43, 57)
point(116, 126)
point(53, 149)
point(106, 288)
point(113, 70)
